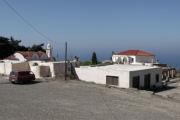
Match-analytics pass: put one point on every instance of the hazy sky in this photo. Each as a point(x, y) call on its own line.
point(98, 25)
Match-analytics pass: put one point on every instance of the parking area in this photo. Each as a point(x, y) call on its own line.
point(77, 100)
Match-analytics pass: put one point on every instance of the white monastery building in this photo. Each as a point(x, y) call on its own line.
point(123, 76)
point(133, 57)
point(24, 56)
point(42, 64)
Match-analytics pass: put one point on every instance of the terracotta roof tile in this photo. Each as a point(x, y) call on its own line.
point(134, 52)
point(40, 53)
point(11, 58)
point(27, 54)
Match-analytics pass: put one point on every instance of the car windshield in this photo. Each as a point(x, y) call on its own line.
point(24, 73)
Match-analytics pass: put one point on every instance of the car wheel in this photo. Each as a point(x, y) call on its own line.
point(12, 81)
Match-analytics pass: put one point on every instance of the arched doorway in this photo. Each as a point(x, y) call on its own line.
point(125, 60)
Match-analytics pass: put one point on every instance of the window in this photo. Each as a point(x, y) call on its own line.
point(112, 80)
point(12, 73)
point(132, 60)
point(157, 78)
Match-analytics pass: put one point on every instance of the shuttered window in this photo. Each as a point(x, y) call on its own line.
point(112, 80)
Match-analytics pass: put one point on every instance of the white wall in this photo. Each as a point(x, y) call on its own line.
point(142, 73)
point(98, 76)
point(5, 68)
point(20, 57)
point(56, 68)
point(137, 59)
point(41, 71)
point(11, 61)
point(145, 59)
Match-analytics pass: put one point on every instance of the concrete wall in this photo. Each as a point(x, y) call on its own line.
point(59, 69)
point(96, 75)
point(142, 73)
point(41, 71)
point(20, 66)
point(5, 68)
point(56, 68)
point(2, 70)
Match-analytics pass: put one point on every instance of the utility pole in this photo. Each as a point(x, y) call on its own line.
point(65, 75)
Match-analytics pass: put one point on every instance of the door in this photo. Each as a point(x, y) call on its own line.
point(112, 80)
point(135, 82)
point(147, 81)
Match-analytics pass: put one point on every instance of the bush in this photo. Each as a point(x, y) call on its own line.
point(85, 63)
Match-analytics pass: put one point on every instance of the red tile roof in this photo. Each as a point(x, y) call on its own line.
point(11, 58)
point(40, 53)
point(27, 54)
point(134, 52)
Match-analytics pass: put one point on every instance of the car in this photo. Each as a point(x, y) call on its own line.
point(21, 76)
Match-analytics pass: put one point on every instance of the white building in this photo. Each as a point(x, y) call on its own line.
point(49, 51)
point(123, 76)
point(133, 57)
point(23, 56)
point(39, 68)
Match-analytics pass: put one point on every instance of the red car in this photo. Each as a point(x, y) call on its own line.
point(21, 76)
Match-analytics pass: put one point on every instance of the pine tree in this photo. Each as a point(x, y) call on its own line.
point(94, 59)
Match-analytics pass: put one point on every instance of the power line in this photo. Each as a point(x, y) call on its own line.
point(26, 21)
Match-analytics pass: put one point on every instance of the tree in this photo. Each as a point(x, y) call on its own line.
point(16, 45)
point(9, 45)
point(94, 59)
point(6, 48)
point(37, 47)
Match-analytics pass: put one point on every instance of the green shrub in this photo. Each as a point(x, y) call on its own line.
point(85, 63)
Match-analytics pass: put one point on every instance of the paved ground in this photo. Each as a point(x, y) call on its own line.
point(173, 90)
point(75, 100)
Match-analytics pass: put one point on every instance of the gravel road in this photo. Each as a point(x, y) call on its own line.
point(76, 100)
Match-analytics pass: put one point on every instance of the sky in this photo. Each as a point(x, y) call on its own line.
point(102, 26)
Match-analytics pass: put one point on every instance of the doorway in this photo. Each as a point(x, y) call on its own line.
point(135, 82)
point(147, 81)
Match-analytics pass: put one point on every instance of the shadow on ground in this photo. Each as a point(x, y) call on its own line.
point(30, 83)
point(27, 83)
point(164, 88)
